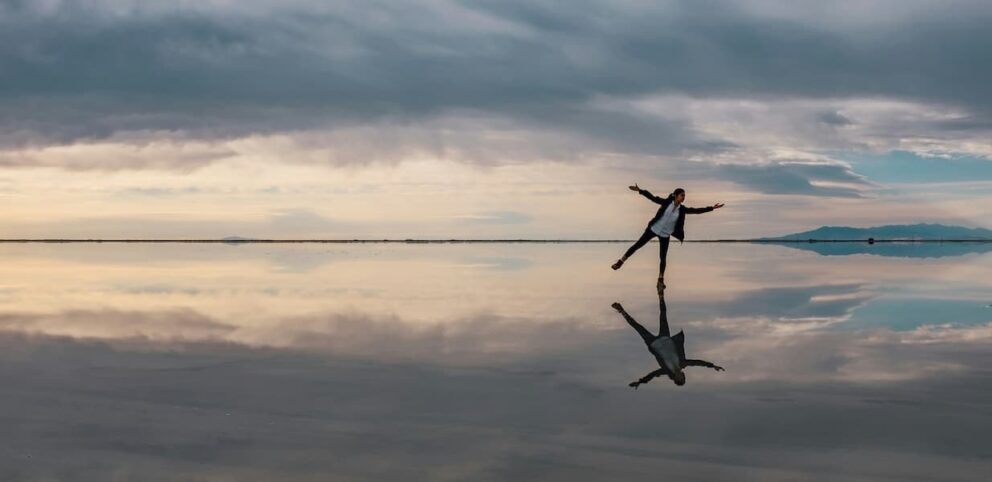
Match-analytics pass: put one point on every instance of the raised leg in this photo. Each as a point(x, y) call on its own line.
point(645, 237)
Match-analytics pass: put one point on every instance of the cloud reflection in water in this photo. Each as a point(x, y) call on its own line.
point(405, 365)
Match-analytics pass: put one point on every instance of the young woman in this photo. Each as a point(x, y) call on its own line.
point(669, 221)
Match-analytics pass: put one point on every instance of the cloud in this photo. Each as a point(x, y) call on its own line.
point(83, 72)
point(144, 152)
point(813, 177)
point(802, 178)
point(494, 217)
point(800, 334)
point(788, 304)
point(282, 223)
point(177, 324)
point(834, 118)
point(136, 409)
point(286, 223)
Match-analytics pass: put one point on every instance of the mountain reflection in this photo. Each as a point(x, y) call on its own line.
point(668, 350)
point(893, 249)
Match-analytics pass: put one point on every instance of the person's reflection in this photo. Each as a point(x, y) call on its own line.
point(667, 349)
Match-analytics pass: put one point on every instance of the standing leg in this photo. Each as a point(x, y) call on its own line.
point(662, 260)
point(645, 237)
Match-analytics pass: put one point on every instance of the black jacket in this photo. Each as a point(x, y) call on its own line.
point(684, 362)
point(679, 233)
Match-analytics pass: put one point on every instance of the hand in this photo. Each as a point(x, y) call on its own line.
point(617, 306)
point(718, 368)
point(633, 385)
point(634, 188)
point(717, 205)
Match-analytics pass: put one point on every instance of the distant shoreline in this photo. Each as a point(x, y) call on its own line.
point(477, 241)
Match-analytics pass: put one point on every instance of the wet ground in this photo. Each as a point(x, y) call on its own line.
point(489, 362)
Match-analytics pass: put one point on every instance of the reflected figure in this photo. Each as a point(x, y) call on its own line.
point(668, 350)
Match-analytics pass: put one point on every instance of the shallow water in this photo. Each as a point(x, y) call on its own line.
point(489, 362)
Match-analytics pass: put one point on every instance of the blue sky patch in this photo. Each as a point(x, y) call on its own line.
point(907, 167)
point(903, 314)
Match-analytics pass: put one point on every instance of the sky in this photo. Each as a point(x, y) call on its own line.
point(489, 119)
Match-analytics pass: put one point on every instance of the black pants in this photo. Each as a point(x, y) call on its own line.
point(662, 252)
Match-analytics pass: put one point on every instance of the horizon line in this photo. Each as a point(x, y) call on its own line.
point(456, 240)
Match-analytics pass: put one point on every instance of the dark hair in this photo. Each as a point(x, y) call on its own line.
point(678, 191)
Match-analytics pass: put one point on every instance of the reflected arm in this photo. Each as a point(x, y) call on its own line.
point(703, 363)
point(647, 378)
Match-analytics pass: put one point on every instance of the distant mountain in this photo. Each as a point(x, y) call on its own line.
point(894, 231)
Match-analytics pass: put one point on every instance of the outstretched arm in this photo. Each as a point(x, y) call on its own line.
point(703, 363)
point(707, 209)
point(647, 378)
point(647, 194)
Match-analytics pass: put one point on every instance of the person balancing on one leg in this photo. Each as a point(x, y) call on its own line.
point(668, 222)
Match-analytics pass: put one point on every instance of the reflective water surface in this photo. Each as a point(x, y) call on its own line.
point(489, 362)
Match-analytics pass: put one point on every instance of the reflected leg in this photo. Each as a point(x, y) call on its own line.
point(663, 329)
point(645, 334)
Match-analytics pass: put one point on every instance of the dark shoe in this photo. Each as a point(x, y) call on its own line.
point(618, 264)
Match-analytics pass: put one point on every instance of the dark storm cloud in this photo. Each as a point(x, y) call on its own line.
point(83, 70)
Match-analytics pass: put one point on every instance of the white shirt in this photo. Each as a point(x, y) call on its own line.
point(667, 354)
point(665, 225)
